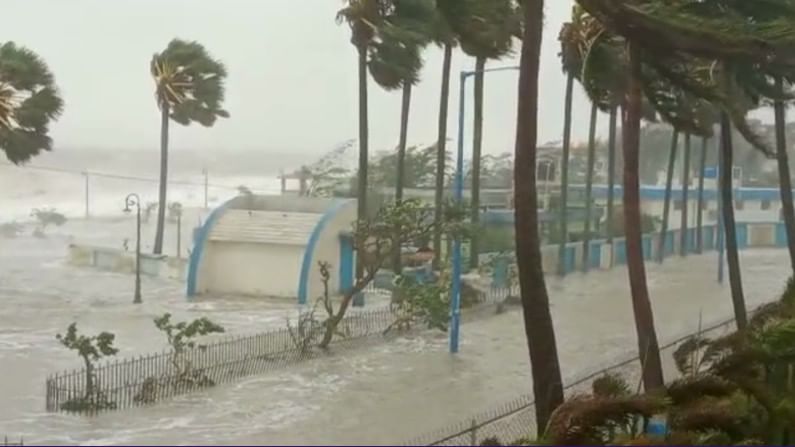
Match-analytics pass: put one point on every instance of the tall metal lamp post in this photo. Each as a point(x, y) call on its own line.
point(455, 302)
point(133, 200)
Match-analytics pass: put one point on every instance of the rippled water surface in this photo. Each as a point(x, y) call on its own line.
point(379, 394)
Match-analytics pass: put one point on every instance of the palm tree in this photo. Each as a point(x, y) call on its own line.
point(395, 62)
point(445, 37)
point(189, 87)
point(785, 182)
point(563, 232)
point(586, 245)
point(611, 176)
point(648, 347)
point(669, 179)
point(721, 36)
point(539, 330)
point(363, 17)
point(485, 32)
point(702, 165)
point(609, 72)
point(729, 225)
point(683, 240)
point(573, 37)
point(29, 102)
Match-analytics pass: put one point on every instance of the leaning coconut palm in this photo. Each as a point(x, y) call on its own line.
point(486, 32)
point(699, 46)
point(785, 182)
point(395, 62)
point(449, 15)
point(574, 37)
point(610, 75)
point(539, 329)
point(189, 87)
point(389, 37)
point(364, 17)
point(29, 102)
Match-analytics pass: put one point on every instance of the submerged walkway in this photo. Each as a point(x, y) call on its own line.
point(381, 394)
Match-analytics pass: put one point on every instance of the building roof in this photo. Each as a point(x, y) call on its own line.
point(265, 227)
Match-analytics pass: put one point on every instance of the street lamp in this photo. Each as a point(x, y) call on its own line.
point(133, 200)
point(458, 194)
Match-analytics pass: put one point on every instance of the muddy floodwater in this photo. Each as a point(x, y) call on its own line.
point(383, 393)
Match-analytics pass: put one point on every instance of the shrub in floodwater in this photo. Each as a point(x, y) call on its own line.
point(90, 349)
point(46, 217)
point(181, 337)
point(375, 239)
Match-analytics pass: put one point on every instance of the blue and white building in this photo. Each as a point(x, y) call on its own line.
point(270, 246)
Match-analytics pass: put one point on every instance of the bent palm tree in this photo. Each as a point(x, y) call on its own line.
point(669, 180)
point(539, 330)
point(785, 182)
point(486, 32)
point(29, 101)
point(610, 76)
point(189, 87)
point(395, 62)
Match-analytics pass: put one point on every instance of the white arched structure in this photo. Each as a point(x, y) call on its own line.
point(270, 246)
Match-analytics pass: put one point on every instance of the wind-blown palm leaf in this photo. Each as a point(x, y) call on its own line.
point(487, 28)
point(29, 101)
point(395, 48)
point(689, 26)
point(189, 82)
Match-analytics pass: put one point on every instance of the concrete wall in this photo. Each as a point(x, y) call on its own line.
point(603, 255)
point(244, 268)
point(117, 260)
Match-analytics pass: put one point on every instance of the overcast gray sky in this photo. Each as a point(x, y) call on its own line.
point(292, 75)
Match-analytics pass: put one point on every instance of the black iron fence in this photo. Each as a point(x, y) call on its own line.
point(147, 379)
point(515, 419)
point(152, 378)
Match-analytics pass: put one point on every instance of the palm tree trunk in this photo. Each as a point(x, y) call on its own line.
point(669, 180)
point(586, 245)
point(611, 175)
point(441, 155)
point(401, 162)
point(477, 145)
point(683, 241)
point(785, 182)
point(732, 255)
point(539, 330)
point(648, 348)
point(702, 164)
point(564, 178)
point(363, 147)
point(162, 196)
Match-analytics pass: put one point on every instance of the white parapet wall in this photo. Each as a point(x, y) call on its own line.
point(122, 261)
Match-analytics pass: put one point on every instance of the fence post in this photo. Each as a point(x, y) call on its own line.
point(473, 433)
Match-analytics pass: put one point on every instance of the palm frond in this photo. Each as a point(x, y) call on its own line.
point(189, 82)
point(29, 102)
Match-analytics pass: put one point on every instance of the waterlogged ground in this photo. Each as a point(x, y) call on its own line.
point(380, 394)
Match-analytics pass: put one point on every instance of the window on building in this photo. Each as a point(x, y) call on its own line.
point(677, 205)
point(765, 205)
point(704, 205)
point(739, 204)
